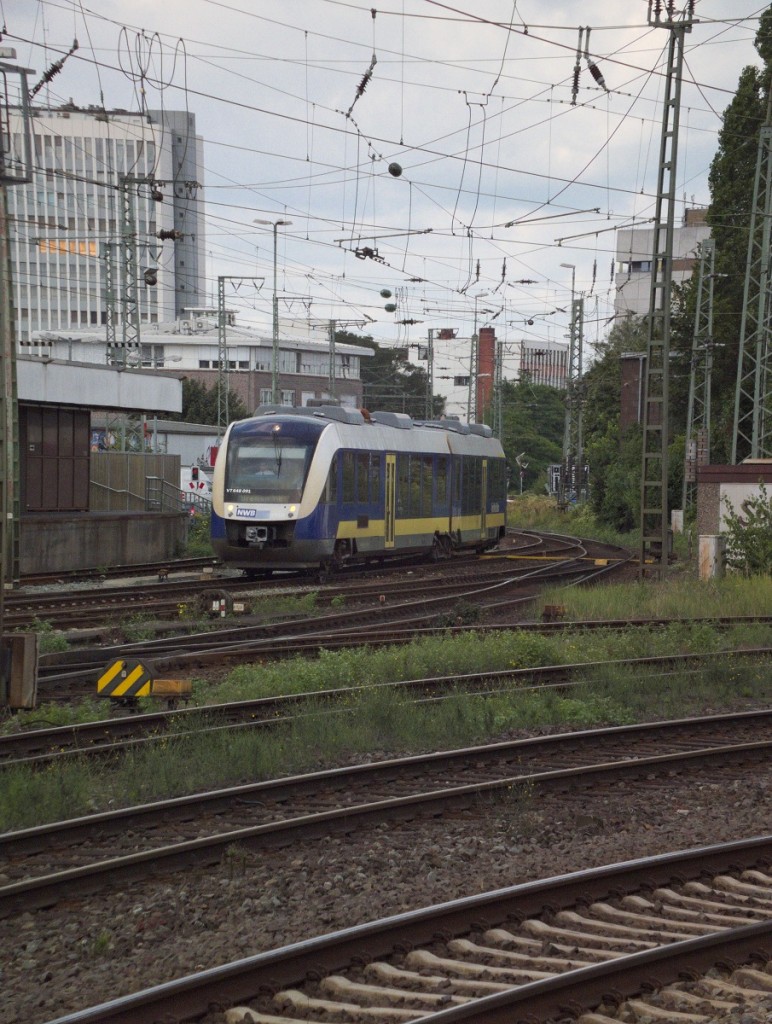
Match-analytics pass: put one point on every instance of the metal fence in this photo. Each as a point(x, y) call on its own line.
point(135, 482)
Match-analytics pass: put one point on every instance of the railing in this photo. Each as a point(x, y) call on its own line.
point(162, 496)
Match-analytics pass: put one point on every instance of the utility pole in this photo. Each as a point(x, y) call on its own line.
point(701, 367)
point(130, 329)
point(15, 169)
point(474, 354)
point(331, 381)
point(110, 298)
point(655, 528)
point(127, 246)
point(222, 349)
point(498, 389)
point(430, 375)
point(752, 435)
point(572, 483)
point(275, 224)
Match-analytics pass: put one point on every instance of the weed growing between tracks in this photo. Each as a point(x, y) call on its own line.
point(372, 724)
point(676, 599)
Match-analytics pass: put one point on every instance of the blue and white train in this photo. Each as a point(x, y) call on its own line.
point(322, 487)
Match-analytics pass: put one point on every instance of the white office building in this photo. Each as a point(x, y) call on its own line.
point(105, 184)
point(544, 362)
point(635, 249)
point(190, 347)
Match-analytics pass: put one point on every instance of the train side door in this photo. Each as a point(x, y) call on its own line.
point(390, 499)
point(484, 495)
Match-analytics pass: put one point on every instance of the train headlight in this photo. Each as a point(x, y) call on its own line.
point(291, 511)
point(230, 509)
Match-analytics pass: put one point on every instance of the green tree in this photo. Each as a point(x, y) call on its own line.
point(533, 417)
point(614, 457)
point(749, 534)
point(731, 181)
point(199, 404)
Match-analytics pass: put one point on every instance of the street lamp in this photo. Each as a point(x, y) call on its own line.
point(275, 224)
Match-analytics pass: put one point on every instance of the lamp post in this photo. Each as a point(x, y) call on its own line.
point(275, 224)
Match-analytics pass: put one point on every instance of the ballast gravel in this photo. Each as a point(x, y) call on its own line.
point(89, 950)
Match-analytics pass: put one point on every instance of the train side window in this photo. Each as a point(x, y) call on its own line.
point(349, 477)
point(415, 485)
point(457, 481)
point(363, 473)
point(426, 485)
point(330, 493)
point(441, 484)
point(375, 477)
point(403, 485)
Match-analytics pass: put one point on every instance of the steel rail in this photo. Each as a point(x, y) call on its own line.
point(237, 982)
point(43, 891)
point(264, 634)
point(108, 736)
point(76, 829)
point(541, 1001)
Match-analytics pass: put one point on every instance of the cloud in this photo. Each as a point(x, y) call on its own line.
point(303, 106)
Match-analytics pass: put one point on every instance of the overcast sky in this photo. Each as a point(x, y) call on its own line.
point(505, 174)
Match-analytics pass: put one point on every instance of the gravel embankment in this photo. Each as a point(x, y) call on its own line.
point(90, 950)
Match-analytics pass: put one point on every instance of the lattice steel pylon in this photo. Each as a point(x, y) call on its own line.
point(498, 391)
point(701, 368)
point(655, 528)
point(572, 482)
point(752, 434)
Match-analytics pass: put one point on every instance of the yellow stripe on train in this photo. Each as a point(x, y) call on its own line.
point(353, 529)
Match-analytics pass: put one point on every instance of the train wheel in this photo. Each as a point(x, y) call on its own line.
point(442, 549)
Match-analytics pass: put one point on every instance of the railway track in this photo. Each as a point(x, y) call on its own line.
point(614, 943)
point(109, 737)
point(116, 847)
point(72, 672)
point(175, 598)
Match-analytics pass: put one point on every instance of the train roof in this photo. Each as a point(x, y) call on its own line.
point(398, 420)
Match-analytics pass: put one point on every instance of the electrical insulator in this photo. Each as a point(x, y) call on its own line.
point(168, 234)
point(395, 170)
point(596, 74)
point(151, 276)
point(156, 195)
point(385, 293)
point(390, 307)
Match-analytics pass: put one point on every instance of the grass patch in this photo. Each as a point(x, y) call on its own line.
point(731, 596)
point(280, 606)
point(376, 722)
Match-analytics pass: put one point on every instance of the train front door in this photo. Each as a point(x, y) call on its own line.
point(390, 500)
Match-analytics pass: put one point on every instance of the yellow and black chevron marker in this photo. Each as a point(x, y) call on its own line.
point(125, 679)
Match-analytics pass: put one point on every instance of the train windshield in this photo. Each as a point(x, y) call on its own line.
point(260, 470)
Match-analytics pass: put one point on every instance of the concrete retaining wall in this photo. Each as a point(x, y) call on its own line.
point(59, 541)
